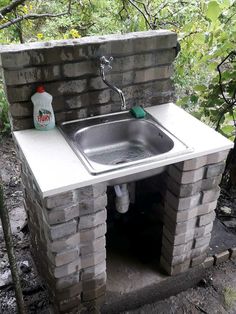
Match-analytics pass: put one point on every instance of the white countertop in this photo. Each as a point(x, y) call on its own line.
point(57, 169)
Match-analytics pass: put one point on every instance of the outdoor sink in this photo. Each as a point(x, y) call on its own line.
point(118, 140)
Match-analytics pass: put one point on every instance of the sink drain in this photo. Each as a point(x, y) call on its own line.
point(120, 162)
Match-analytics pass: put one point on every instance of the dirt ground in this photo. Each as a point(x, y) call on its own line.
point(215, 294)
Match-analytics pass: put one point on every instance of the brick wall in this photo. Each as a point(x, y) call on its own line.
point(142, 68)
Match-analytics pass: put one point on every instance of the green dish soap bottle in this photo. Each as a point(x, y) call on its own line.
point(44, 118)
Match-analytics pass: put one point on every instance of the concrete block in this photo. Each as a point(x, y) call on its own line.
point(180, 238)
point(210, 195)
point(67, 281)
point(56, 216)
point(206, 219)
point(206, 208)
point(92, 259)
point(88, 99)
point(92, 205)
point(181, 227)
point(214, 170)
point(176, 269)
point(92, 234)
point(175, 260)
point(79, 69)
point(95, 282)
point(176, 249)
point(68, 305)
point(66, 243)
point(93, 294)
point(62, 258)
point(198, 260)
point(192, 164)
point(65, 270)
point(199, 251)
point(221, 257)
point(209, 261)
point(217, 157)
point(187, 176)
point(203, 230)
point(59, 200)
point(92, 220)
point(93, 271)
point(92, 191)
point(179, 215)
point(232, 252)
point(67, 87)
point(19, 110)
point(69, 292)
point(182, 203)
point(98, 245)
point(203, 241)
point(32, 75)
point(59, 231)
point(151, 74)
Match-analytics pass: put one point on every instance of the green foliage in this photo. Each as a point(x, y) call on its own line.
point(206, 30)
point(4, 121)
point(229, 296)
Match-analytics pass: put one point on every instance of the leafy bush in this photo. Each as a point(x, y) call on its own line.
point(4, 120)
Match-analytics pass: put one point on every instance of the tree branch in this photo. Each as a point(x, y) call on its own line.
point(34, 16)
point(143, 14)
point(9, 8)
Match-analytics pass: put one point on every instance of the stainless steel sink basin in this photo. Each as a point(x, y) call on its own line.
point(118, 140)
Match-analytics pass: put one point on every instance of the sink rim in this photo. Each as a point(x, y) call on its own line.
point(96, 168)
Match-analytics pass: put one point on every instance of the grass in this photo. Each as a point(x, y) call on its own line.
point(229, 296)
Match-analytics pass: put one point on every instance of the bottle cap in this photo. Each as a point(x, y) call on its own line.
point(40, 89)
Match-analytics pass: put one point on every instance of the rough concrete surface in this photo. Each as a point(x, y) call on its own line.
point(216, 294)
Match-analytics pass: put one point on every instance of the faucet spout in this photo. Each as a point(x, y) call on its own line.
point(104, 62)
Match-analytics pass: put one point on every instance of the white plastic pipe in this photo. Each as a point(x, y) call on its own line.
point(122, 198)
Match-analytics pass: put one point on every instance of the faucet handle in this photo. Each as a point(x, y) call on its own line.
point(106, 62)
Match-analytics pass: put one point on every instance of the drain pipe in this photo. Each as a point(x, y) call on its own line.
point(122, 198)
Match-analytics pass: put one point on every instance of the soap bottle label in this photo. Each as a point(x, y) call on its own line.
point(44, 117)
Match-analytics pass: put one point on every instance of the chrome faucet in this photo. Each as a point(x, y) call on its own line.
point(104, 62)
